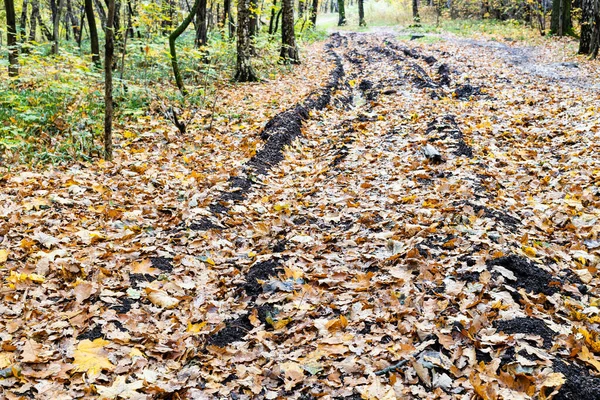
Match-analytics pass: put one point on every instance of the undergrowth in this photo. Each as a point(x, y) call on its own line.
point(53, 113)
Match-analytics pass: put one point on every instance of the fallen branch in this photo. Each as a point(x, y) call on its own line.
point(392, 367)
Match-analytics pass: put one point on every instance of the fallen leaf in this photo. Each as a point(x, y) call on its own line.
point(120, 388)
point(90, 357)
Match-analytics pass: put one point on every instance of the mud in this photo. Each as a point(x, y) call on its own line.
point(579, 385)
point(260, 271)
point(530, 326)
point(529, 277)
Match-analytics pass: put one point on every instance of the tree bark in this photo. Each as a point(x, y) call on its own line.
point(244, 70)
point(272, 19)
point(289, 50)
point(361, 13)
point(313, 13)
point(201, 26)
point(89, 14)
point(55, 31)
point(35, 14)
point(23, 22)
point(252, 26)
point(11, 38)
point(109, 49)
point(560, 23)
point(173, 37)
point(341, 12)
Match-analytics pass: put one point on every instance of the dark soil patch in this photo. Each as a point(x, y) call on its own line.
point(526, 325)
point(234, 331)
point(205, 224)
point(218, 208)
point(444, 73)
point(529, 277)
point(466, 91)
point(280, 246)
point(579, 385)
point(162, 263)
point(135, 279)
point(239, 186)
point(421, 78)
point(91, 334)
point(499, 216)
point(441, 128)
point(262, 270)
point(125, 306)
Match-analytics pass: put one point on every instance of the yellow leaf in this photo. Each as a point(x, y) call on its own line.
point(530, 251)
point(281, 206)
point(278, 324)
point(3, 256)
point(135, 353)
point(90, 357)
point(352, 83)
point(161, 298)
point(196, 328)
point(16, 277)
point(129, 134)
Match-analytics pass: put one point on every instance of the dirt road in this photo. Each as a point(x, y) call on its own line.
point(423, 226)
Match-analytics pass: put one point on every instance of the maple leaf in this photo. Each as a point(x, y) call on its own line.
point(120, 388)
point(90, 357)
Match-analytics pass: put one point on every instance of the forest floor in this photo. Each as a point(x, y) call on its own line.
point(417, 219)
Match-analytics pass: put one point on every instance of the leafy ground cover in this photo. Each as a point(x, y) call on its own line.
point(394, 219)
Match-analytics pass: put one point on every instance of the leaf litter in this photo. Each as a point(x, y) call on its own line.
point(324, 255)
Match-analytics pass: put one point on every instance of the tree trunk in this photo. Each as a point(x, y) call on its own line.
point(361, 13)
point(89, 14)
point(201, 26)
point(11, 38)
point(109, 49)
point(23, 22)
point(415, 11)
point(228, 18)
point(35, 14)
point(277, 19)
point(74, 23)
point(252, 26)
point(101, 14)
point(272, 19)
point(560, 23)
point(173, 37)
point(289, 50)
point(587, 26)
point(313, 13)
point(55, 32)
point(341, 12)
point(244, 70)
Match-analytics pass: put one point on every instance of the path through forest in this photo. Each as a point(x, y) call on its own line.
point(424, 225)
